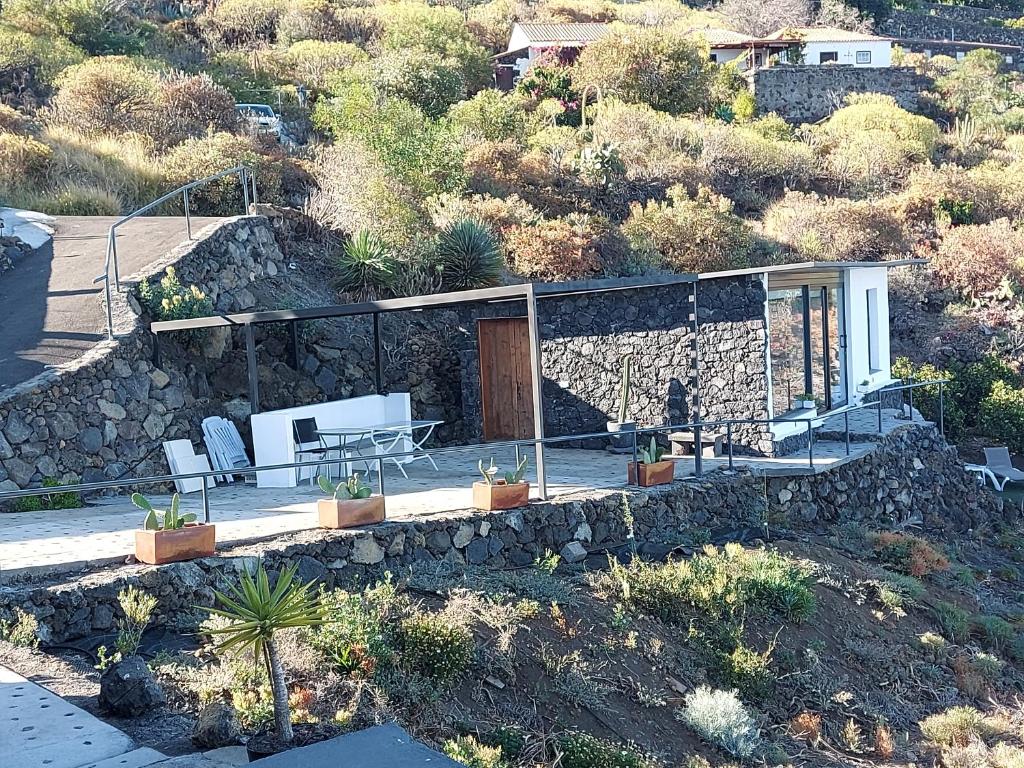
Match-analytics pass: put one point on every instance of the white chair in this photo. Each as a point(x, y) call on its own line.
point(182, 460)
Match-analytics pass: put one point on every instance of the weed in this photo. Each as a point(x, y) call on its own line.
point(21, 630)
point(356, 636)
point(434, 648)
point(908, 554)
point(934, 645)
point(575, 679)
point(580, 750)
point(138, 608)
point(548, 562)
point(69, 500)
point(958, 727)
point(720, 718)
point(746, 669)
point(976, 673)
point(953, 621)
point(806, 726)
point(995, 633)
point(885, 744)
point(852, 736)
point(470, 752)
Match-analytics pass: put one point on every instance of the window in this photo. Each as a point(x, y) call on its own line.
point(863, 57)
point(874, 360)
point(960, 55)
point(714, 58)
point(826, 56)
point(1009, 59)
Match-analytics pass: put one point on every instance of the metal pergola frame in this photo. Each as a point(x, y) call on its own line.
point(526, 292)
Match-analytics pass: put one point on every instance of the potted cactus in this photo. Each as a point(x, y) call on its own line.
point(622, 440)
point(651, 469)
point(805, 401)
point(352, 503)
point(168, 536)
point(501, 493)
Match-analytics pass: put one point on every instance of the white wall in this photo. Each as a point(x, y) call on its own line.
point(858, 282)
point(725, 55)
point(881, 52)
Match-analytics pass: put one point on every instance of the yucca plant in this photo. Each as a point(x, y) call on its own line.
point(366, 267)
point(468, 256)
point(257, 613)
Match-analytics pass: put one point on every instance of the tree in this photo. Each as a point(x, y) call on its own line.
point(979, 86)
point(759, 17)
point(670, 72)
point(256, 614)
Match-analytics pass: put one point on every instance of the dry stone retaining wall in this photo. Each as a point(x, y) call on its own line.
point(912, 474)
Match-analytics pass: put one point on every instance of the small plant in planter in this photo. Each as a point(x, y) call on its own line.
point(168, 536)
point(256, 613)
point(501, 493)
point(621, 439)
point(864, 386)
point(805, 401)
point(651, 469)
point(352, 503)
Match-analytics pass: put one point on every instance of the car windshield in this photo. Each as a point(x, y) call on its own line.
point(255, 110)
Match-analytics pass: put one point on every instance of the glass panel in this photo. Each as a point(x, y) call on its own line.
point(818, 388)
point(837, 345)
point(786, 345)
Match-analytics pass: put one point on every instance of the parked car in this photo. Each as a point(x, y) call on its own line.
point(261, 117)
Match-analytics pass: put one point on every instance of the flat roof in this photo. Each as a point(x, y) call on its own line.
point(808, 266)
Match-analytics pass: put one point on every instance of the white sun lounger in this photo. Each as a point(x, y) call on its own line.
point(997, 461)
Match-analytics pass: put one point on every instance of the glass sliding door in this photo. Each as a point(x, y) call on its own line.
point(835, 334)
point(786, 321)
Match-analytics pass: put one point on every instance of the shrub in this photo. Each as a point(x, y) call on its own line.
point(434, 648)
point(909, 554)
point(170, 300)
point(21, 630)
point(69, 500)
point(554, 249)
point(468, 257)
point(23, 158)
point(366, 267)
point(431, 81)
point(308, 20)
point(978, 86)
point(958, 727)
point(720, 718)
point(689, 234)
point(470, 752)
point(313, 61)
point(243, 23)
point(356, 639)
point(108, 94)
point(953, 621)
point(78, 200)
point(191, 106)
point(926, 399)
point(490, 115)
point(581, 750)
point(97, 26)
point(197, 158)
point(745, 669)
point(670, 72)
point(975, 259)
point(38, 59)
point(995, 633)
point(1002, 416)
point(550, 81)
point(835, 229)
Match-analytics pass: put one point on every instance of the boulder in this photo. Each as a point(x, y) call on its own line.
point(127, 689)
point(217, 726)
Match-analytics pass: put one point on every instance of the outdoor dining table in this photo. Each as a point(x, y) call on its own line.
point(384, 438)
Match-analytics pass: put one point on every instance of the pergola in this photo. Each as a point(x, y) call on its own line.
point(526, 292)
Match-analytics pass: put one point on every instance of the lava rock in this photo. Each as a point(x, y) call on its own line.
point(217, 726)
point(127, 689)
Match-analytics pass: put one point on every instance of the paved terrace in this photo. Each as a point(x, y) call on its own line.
point(103, 533)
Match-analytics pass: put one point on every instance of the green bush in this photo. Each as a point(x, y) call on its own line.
point(107, 94)
point(1002, 416)
point(168, 299)
point(77, 200)
point(366, 267)
point(41, 58)
point(431, 81)
point(192, 106)
point(434, 648)
point(490, 115)
point(243, 23)
point(314, 20)
point(978, 86)
point(689, 234)
point(356, 638)
point(468, 256)
point(926, 399)
point(953, 621)
point(68, 500)
point(581, 750)
point(21, 630)
point(314, 62)
point(470, 752)
point(668, 71)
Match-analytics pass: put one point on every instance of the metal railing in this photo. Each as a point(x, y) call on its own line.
point(698, 428)
point(246, 179)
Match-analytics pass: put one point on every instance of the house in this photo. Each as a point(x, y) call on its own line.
point(749, 52)
point(529, 40)
point(830, 45)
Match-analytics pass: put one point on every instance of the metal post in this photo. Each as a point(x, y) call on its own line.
point(113, 257)
point(377, 378)
point(536, 379)
point(698, 452)
point(255, 199)
point(156, 351)
point(728, 438)
point(110, 309)
point(244, 181)
point(942, 416)
point(879, 412)
point(293, 332)
point(911, 391)
point(380, 474)
point(846, 419)
point(636, 460)
point(206, 503)
point(188, 215)
point(810, 444)
point(254, 375)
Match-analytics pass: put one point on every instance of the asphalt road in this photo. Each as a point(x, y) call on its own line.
point(51, 312)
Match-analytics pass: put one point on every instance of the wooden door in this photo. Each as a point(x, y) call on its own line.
point(506, 396)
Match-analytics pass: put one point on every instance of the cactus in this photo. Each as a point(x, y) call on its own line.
point(348, 489)
point(162, 519)
point(652, 453)
point(487, 472)
point(627, 364)
point(517, 477)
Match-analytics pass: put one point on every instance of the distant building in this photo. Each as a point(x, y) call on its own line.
point(750, 52)
point(829, 45)
point(528, 41)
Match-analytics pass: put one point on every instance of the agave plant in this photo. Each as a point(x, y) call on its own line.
point(257, 613)
point(366, 267)
point(468, 256)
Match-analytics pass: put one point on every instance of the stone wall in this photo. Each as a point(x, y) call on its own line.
point(952, 48)
point(912, 475)
point(12, 250)
point(806, 94)
point(951, 23)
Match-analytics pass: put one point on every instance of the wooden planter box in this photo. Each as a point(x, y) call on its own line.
point(350, 513)
point(646, 475)
point(159, 547)
point(500, 495)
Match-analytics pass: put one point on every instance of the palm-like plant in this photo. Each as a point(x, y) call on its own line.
point(256, 613)
point(366, 267)
point(468, 256)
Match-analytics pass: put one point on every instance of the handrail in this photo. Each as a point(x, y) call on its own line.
point(696, 426)
point(245, 177)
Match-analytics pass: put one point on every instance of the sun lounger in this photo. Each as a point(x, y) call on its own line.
point(997, 460)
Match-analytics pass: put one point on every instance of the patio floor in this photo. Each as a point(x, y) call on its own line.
point(103, 532)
